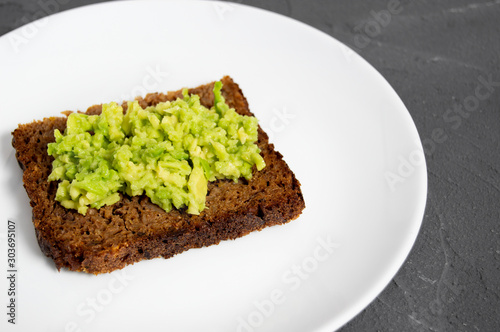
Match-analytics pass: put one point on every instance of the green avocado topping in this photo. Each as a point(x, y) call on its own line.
point(168, 152)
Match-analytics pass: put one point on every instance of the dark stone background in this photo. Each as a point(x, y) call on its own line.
point(435, 53)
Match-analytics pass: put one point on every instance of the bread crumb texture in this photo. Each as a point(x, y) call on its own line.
point(134, 229)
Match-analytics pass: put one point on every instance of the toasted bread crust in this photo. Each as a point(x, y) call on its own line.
point(134, 229)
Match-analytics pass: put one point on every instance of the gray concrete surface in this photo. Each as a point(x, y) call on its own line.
point(435, 54)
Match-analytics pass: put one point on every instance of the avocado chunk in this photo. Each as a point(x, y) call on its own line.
point(168, 152)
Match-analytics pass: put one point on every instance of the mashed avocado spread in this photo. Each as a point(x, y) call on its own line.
point(168, 152)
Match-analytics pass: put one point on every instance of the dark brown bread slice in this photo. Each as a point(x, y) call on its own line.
point(135, 229)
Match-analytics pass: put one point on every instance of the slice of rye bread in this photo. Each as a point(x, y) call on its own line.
point(134, 229)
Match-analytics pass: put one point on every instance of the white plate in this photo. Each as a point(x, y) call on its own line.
point(341, 127)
